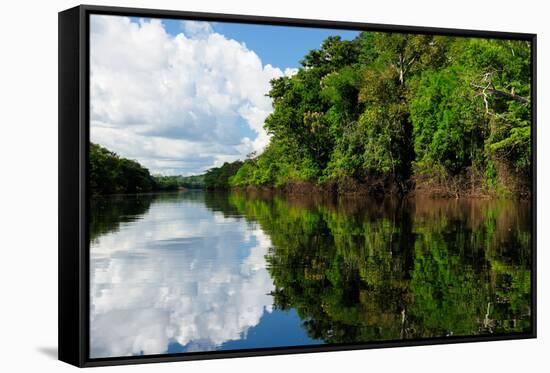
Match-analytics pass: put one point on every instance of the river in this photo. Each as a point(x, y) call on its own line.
point(202, 271)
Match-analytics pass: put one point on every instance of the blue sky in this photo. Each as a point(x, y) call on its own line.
point(280, 46)
point(181, 106)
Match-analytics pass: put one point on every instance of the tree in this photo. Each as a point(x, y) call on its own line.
point(218, 177)
point(399, 111)
point(111, 174)
point(448, 121)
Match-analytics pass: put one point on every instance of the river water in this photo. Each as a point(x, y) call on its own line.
point(202, 271)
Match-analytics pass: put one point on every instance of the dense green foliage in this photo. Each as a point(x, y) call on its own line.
point(168, 183)
point(110, 173)
point(218, 177)
point(448, 115)
point(192, 182)
point(404, 108)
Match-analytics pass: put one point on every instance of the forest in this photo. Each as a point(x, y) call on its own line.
point(113, 174)
point(384, 113)
point(390, 112)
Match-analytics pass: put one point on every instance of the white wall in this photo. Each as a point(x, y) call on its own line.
point(28, 188)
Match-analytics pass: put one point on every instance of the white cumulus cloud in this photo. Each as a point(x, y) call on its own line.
point(177, 104)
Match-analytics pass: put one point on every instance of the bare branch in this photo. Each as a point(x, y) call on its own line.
point(513, 96)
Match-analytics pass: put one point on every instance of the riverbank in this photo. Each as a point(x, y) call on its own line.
point(383, 187)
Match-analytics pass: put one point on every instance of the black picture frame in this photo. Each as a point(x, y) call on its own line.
point(73, 249)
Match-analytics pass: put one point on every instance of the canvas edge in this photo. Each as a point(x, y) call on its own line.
point(70, 191)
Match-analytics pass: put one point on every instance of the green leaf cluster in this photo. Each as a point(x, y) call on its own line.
point(396, 106)
point(218, 177)
point(112, 174)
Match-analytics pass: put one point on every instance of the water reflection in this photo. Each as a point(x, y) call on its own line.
point(200, 271)
point(179, 274)
point(361, 270)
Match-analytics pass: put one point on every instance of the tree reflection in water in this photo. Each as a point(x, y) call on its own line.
point(361, 270)
point(353, 269)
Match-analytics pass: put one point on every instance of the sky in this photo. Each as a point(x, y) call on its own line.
point(280, 46)
point(181, 97)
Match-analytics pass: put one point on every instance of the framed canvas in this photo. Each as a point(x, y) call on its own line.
point(234, 186)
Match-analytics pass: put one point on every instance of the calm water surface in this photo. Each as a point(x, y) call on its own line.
point(202, 271)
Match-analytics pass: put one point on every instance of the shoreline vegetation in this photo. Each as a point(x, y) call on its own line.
point(382, 114)
point(113, 174)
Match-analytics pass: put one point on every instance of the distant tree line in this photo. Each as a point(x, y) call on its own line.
point(113, 174)
point(178, 182)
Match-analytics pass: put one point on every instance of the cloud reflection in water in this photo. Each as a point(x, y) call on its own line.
point(180, 274)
